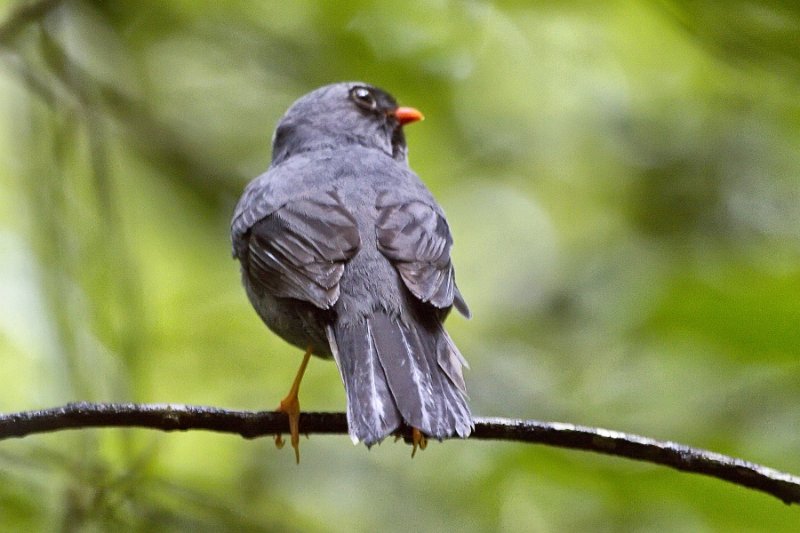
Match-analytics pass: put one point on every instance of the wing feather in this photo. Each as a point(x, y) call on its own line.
point(300, 249)
point(417, 240)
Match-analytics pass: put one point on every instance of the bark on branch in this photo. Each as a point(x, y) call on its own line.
point(171, 417)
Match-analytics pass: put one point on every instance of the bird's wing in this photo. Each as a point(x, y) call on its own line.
point(417, 240)
point(300, 249)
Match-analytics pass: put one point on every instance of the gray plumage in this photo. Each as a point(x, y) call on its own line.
point(344, 250)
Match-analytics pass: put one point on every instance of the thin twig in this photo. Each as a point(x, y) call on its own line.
point(171, 417)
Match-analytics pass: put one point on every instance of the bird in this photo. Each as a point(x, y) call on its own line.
point(345, 253)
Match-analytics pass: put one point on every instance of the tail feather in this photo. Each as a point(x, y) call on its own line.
point(412, 381)
point(396, 372)
point(371, 412)
point(451, 361)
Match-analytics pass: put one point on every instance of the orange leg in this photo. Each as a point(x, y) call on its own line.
point(417, 440)
point(291, 406)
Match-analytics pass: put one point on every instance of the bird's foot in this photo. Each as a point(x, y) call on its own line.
point(291, 406)
point(418, 440)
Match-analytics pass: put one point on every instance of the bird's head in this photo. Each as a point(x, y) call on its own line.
point(341, 114)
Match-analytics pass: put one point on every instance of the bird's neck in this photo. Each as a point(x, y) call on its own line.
point(297, 139)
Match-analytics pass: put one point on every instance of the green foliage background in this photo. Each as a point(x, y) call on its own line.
point(623, 182)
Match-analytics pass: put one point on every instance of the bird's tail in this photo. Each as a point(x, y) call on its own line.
point(396, 372)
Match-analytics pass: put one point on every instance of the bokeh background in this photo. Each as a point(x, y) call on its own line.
point(622, 179)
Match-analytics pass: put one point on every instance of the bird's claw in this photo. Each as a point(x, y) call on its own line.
point(418, 440)
point(291, 406)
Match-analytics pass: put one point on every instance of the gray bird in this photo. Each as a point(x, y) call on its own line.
point(346, 254)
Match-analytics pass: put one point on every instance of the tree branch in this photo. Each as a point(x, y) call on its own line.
point(171, 417)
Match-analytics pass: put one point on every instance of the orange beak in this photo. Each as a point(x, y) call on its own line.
point(407, 115)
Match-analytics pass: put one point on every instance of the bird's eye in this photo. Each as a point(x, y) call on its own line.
point(363, 98)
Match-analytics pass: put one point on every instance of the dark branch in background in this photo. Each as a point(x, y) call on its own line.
point(23, 15)
point(257, 424)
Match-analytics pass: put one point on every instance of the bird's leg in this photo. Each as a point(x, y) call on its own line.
point(291, 406)
point(417, 440)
